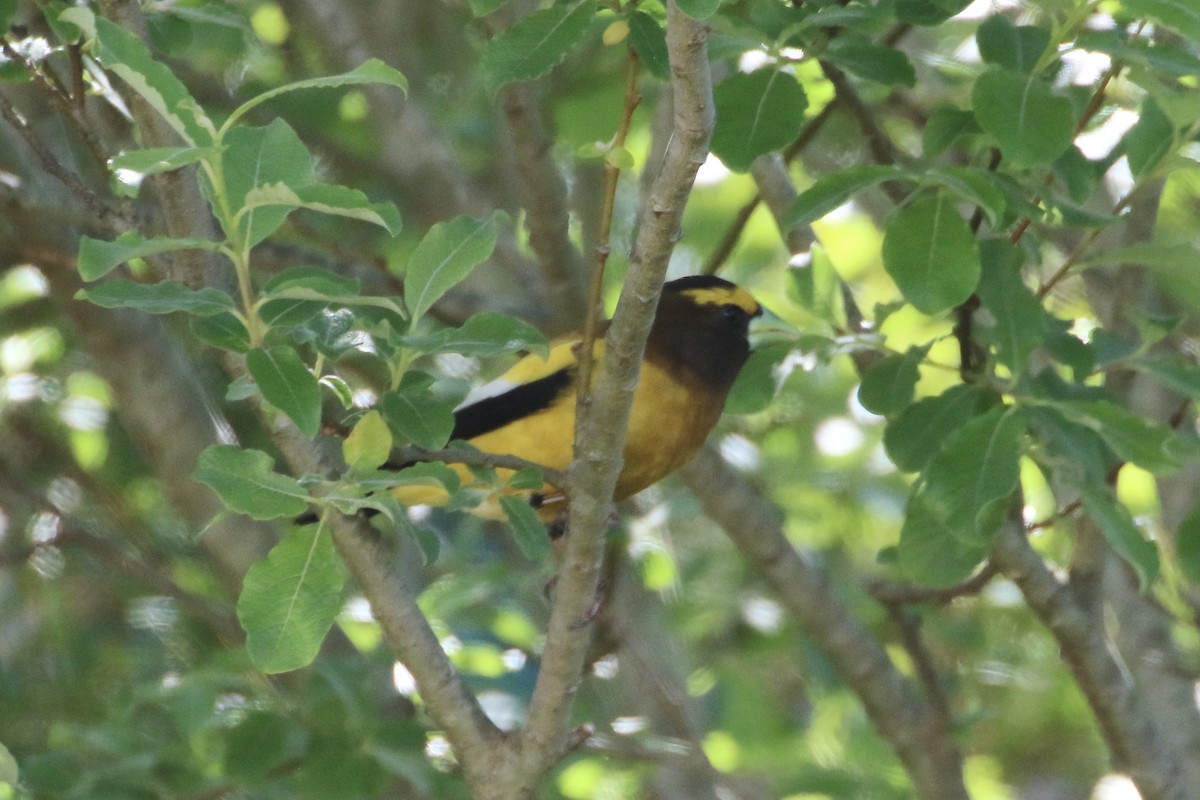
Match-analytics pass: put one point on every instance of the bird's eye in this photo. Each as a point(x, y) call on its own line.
point(731, 312)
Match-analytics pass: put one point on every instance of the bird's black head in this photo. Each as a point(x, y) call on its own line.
point(702, 327)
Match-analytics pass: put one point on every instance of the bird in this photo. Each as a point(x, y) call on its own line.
point(698, 343)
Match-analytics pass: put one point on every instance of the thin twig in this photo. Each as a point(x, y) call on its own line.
point(909, 625)
point(612, 174)
point(892, 593)
point(71, 105)
point(106, 213)
point(403, 456)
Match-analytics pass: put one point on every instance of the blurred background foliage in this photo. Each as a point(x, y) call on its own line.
point(122, 667)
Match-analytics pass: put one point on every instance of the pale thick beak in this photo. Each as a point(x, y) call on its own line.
point(767, 329)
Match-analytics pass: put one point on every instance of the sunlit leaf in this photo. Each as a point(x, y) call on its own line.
point(290, 599)
point(833, 190)
point(1121, 532)
point(247, 483)
point(888, 385)
point(528, 531)
point(97, 258)
point(158, 298)
point(932, 255)
point(369, 443)
point(484, 334)
point(919, 430)
point(974, 472)
point(536, 44)
point(1014, 47)
point(1031, 124)
point(757, 112)
point(649, 42)
point(418, 418)
point(372, 71)
point(446, 254)
point(288, 384)
point(1015, 309)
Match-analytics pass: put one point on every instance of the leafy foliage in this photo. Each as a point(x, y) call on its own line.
point(1019, 228)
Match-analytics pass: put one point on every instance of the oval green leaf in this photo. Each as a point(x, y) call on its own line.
point(286, 383)
point(931, 254)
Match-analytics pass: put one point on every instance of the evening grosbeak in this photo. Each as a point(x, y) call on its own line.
point(697, 345)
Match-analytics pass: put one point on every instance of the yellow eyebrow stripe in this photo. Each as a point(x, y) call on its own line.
point(721, 296)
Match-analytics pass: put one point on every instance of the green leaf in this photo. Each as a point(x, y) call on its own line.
point(1077, 173)
point(485, 334)
point(975, 186)
point(257, 157)
point(369, 444)
point(338, 201)
point(1031, 124)
point(160, 159)
point(246, 482)
point(222, 330)
point(871, 61)
point(1018, 48)
point(918, 431)
point(1187, 545)
point(944, 126)
point(418, 418)
point(158, 298)
point(1131, 437)
point(932, 255)
point(290, 599)
point(98, 258)
point(422, 474)
point(1121, 532)
point(815, 285)
point(832, 191)
point(1168, 59)
point(1175, 370)
point(286, 383)
point(536, 44)
point(290, 312)
point(123, 53)
point(930, 553)
point(852, 15)
point(757, 113)
point(1075, 453)
point(528, 531)
point(928, 12)
point(1015, 309)
point(1149, 141)
point(446, 254)
point(1182, 15)
point(372, 71)
point(756, 384)
point(972, 476)
point(314, 279)
point(888, 386)
point(699, 9)
point(650, 44)
point(1153, 255)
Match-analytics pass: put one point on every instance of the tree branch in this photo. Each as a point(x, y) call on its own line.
point(906, 720)
point(600, 429)
point(544, 196)
point(1128, 729)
